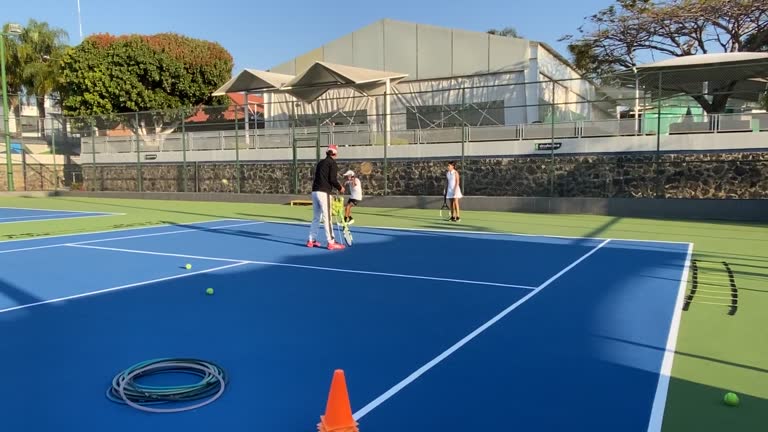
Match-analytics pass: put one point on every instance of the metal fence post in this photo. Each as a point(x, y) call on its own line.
point(657, 155)
point(552, 145)
point(93, 149)
point(317, 142)
point(55, 165)
point(138, 156)
point(184, 150)
point(237, 152)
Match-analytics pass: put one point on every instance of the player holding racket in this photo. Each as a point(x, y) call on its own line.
point(453, 191)
point(325, 181)
point(355, 195)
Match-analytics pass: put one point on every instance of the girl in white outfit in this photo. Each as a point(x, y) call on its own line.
point(355, 195)
point(453, 190)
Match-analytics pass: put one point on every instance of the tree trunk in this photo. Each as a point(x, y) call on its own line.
point(719, 99)
point(16, 110)
point(41, 115)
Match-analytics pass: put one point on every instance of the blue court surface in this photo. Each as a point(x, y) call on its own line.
point(17, 215)
point(438, 331)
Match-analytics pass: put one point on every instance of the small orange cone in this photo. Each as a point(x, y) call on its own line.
point(338, 411)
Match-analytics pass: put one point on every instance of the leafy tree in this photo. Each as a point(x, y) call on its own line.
point(40, 47)
point(618, 36)
point(31, 63)
point(160, 79)
point(506, 31)
point(14, 73)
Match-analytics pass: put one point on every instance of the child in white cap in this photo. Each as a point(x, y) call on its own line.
point(355, 195)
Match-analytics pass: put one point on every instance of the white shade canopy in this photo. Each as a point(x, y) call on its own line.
point(253, 80)
point(313, 82)
point(323, 76)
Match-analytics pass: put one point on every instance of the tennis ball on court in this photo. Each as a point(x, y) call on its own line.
point(731, 399)
point(188, 266)
point(209, 291)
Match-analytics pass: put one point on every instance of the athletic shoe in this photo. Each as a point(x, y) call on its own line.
point(335, 246)
point(350, 221)
point(311, 243)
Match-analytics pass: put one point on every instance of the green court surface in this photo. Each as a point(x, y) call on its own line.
point(719, 348)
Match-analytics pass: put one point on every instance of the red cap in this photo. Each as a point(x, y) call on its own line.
point(333, 148)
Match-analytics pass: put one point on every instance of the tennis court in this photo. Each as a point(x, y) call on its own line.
point(435, 330)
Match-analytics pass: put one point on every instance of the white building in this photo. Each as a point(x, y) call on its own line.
point(453, 77)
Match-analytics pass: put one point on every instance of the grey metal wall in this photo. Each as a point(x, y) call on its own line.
point(421, 51)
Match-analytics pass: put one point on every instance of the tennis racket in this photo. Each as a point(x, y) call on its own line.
point(366, 168)
point(445, 210)
point(338, 210)
point(329, 217)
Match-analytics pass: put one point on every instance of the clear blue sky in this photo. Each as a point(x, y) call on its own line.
point(263, 34)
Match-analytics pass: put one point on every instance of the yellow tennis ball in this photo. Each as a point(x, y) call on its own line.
point(189, 266)
point(209, 291)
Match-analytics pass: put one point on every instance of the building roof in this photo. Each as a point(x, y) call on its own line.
point(421, 51)
point(748, 70)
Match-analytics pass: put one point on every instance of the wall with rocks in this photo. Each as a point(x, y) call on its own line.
point(32, 177)
point(708, 175)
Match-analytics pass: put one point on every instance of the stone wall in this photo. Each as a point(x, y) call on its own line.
point(714, 175)
point(32, 177)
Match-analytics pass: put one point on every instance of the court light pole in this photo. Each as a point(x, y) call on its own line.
point(13, 29)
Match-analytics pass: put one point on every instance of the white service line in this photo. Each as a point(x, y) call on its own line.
point(56, 210)
point(113, 230)
point(129, 237)
point(432, 363)
point(662, 387)
point(142, 252)
point(60, 299)
point(70, 215)
point(49, 219)
point(163, 233)
point(487, 233)
point(276, 264)
point(372, 273)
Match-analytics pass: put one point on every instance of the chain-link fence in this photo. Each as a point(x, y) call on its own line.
point(678, 134)
point(41, 154)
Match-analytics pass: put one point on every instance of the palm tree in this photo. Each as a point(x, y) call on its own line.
point(40, 49)
point(14, 70)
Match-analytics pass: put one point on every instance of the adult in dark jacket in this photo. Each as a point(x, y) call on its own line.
point(323, 184)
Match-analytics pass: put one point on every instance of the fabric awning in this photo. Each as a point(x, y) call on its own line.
point(322, 76)
point(253, 80)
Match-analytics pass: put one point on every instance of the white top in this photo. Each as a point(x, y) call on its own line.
point(453, 190)
point(355, 189)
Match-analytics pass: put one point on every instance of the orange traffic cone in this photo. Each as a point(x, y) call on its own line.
point(338, 411)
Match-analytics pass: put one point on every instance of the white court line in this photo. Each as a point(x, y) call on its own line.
point(49, 210)
point(114, 230)
point(163, 233)
point(432, 363)
point(60, 299)
point(127, 237)
point(660, 398)
point(267, 263)
point(43, 216)
point(490, 233)
point(48, 218)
